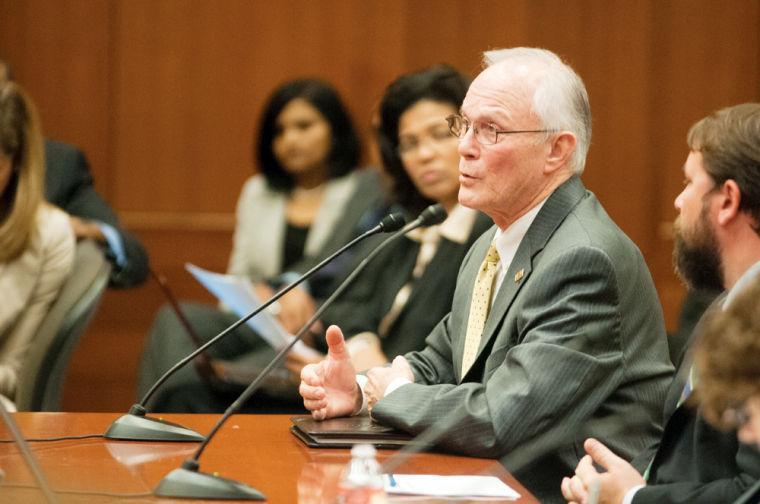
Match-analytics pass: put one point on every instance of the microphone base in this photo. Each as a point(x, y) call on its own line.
point(135, 426)
point(191, 484)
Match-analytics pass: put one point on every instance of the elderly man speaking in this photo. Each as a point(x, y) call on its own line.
point(555, 321)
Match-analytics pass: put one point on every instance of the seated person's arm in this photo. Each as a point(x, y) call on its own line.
point(92, 217)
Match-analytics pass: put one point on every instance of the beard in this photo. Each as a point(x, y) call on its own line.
point(696, 255)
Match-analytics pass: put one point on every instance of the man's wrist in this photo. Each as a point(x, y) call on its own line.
point(361, 400)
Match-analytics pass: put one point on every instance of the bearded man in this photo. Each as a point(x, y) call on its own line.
point(717, 247)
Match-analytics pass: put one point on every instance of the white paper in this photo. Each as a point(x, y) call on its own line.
point(449, 486)
point(237, 294)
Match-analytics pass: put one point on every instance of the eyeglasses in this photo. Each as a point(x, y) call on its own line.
point(485, 133)
point(408, 145)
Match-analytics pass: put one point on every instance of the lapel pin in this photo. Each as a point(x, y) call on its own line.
point(519, 275)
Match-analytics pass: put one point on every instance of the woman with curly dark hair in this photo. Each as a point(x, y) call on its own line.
point(408, 289)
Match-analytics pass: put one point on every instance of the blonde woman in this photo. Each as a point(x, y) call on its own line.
point(36, 239)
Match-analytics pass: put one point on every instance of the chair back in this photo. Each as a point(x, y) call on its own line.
point(42, 374)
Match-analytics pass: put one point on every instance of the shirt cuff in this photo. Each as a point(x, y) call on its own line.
point(361, 380)
point(395, 384)
point(628, 498)
point(115, 243)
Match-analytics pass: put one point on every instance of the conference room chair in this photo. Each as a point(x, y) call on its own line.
point(41, 377)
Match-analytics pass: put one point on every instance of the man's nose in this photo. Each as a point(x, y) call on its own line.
point(678, 201)
point(468, 147)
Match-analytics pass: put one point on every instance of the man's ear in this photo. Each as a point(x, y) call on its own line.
point(562, 148)
point(731, 198)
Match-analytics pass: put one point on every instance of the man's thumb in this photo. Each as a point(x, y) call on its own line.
point(335, 343)
point(600, 453)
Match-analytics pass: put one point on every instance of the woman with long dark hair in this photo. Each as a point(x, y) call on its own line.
point(307, 200)
point(408, 288)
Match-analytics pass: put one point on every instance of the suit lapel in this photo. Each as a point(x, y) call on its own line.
point(557, 207)
point(682, 374)
point(516, 276)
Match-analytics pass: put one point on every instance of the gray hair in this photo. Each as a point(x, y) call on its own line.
point(559, 99)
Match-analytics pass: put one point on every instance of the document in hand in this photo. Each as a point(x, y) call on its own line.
point(449, 486)
point(237, 294)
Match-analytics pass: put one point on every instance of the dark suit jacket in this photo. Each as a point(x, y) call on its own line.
point(695, 462)
point(575, 335)
point(365, 303)
point(69, 185)
point(693, 307)
point(363, 210)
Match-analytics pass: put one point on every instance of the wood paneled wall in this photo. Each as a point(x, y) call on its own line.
point(164, 95)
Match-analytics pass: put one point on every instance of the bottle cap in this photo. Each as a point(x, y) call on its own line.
point(363, 451)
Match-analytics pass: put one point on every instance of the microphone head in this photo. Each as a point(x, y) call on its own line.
point(392, 222)
point(432, 215)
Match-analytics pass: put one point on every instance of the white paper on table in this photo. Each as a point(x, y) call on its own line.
point(449, 486)
point(236, 292)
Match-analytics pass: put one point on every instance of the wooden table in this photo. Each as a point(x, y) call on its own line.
point(255, 449)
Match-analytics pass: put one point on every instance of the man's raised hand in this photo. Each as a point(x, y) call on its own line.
point(329, 388)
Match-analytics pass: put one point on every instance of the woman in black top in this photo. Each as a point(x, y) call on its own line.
point(407, 289)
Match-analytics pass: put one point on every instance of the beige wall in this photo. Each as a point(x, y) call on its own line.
point(163, 96)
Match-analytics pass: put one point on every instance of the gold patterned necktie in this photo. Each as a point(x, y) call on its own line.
point(479, 307)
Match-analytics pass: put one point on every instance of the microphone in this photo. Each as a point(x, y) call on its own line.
point(187, 481)
point(136, 426)
point(432, 215)
point(26, 453)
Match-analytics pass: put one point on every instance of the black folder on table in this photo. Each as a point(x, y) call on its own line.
point(346, 432)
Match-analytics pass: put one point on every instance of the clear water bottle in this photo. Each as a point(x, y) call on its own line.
point(362, 481)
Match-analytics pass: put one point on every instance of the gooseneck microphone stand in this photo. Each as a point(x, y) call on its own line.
point(188, 481)
point(136, 426)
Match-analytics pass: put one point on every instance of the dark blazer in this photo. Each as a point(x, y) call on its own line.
point(69, 185)
point(366, 302)
point(693, 307)
point(695, 462)
point(575, 335)
point(364, 209)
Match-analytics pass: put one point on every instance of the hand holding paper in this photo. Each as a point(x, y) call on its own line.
point(294, 309)
point(238, 295)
